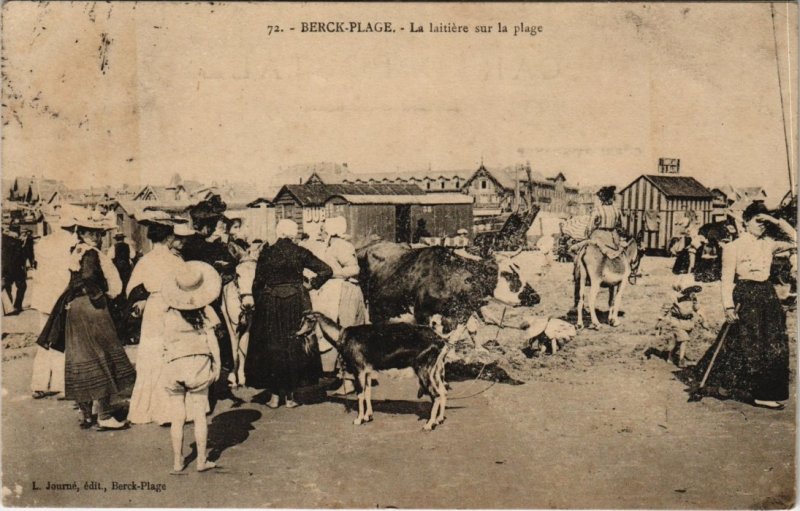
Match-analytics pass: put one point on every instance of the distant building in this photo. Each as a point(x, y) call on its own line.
point(495, 192)
point(729, 198)
point(320, 172)
point(554, 194)
point(431, 181)
point(587, 197)
point(390, 212)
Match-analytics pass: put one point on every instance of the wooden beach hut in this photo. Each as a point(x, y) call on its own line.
point(658, 205)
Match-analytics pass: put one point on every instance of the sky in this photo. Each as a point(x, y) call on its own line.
point(134, 92)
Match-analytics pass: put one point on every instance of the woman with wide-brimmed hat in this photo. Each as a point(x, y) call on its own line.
point(190, 353)
point(96, 366)
point(149, 400)
point(277, 360)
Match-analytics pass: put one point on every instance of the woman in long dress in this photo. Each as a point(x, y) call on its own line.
point(605, 221)
point(149, 399)
point(341, 298)
point(51, 277)
point(96, 366)
point(753, 364)
point(277, 360)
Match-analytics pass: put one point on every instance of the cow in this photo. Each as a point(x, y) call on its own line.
point(398, 280)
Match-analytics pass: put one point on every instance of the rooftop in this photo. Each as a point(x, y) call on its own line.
point(682, 187)
point(317, 195)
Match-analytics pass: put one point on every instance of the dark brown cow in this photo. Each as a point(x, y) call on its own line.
point(397, 280)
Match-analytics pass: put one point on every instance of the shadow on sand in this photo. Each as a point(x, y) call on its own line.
point(602, 315)
point(422, 409)
point(226, 430)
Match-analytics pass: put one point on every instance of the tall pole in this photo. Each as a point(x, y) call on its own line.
point(780, 92)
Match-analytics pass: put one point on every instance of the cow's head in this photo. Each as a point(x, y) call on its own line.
point(510, 287)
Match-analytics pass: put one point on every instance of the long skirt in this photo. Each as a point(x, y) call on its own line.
point(606, 240)
point(96, 365)
point(277, 360)
point(754, 361)
point(681, 266)
point(352, 310)
point(149, 401)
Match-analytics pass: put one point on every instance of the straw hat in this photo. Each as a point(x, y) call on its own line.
point(462, 231)
point(183, 230)
point(94, 220)
point(66, 222)
point(154, 216)
point(195, 285)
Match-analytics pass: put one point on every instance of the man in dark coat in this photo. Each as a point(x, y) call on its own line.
point(421, 232)
point(122, 259)
point(13, 271)
point(27, 248)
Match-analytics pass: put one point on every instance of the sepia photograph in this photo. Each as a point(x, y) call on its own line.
point(424, 255)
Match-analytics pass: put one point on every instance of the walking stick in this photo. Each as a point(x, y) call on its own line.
point(696, 395)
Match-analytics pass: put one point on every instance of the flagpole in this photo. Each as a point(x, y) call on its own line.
point(780, 92)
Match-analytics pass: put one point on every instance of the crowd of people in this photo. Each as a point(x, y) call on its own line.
point(196, 302)
point(206, 297)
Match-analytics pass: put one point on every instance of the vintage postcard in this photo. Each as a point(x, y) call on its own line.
point(399, 255)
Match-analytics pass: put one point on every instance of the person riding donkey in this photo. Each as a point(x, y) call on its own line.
point(603, 260)
point(605, 222)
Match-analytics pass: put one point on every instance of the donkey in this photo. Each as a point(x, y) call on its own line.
point(597, 269)
point(369, 348)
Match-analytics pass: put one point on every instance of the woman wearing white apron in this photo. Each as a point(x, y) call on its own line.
point(340, 298)
point(50, 279)
point(149, 398)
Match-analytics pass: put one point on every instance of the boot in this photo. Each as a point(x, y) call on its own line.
point(87, 419)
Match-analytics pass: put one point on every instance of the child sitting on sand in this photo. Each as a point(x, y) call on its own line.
point(191, 355)
point(680, 318)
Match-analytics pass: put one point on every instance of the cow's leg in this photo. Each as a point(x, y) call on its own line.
point(362, 379)
point(611, 290)
point(368, 393)
point(434, 413)
point(441, 388)
point(613, 319)
point(442, 402)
